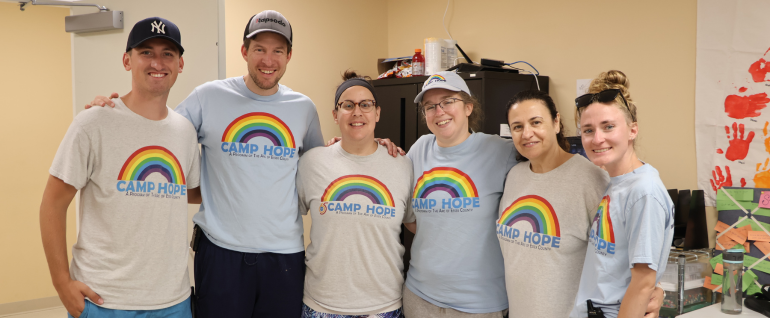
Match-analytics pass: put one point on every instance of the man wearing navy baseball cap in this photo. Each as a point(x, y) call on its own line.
point(136, 168)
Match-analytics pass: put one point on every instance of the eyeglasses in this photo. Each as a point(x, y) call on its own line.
point(604, 96)
point(430, 109)
point(366, 105)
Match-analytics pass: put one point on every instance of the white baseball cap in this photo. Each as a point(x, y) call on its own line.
point(446, 80)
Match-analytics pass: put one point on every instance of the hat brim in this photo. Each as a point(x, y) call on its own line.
point(434, 86)
point(253, 34)
point(179, 46)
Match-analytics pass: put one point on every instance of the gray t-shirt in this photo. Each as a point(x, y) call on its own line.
point(543, 232)
point(456, 259)
point(133, 174)
point(250, 145)
point(357, 204)
point(634, 224)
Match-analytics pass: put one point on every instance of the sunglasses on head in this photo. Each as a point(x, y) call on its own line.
point(604, 96)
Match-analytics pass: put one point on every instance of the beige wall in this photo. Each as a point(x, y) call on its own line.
point(653, 42)
point(36, 100)
point(329, 37)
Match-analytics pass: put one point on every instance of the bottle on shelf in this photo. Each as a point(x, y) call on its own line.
point(418, 63)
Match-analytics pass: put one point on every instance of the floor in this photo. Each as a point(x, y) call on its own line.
point(59, 312)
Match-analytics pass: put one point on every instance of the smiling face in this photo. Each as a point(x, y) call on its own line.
point(607, 137)
point(533, 130)
point(154, 66)
point(266, 58)
point(356, 125)
point(450, 124)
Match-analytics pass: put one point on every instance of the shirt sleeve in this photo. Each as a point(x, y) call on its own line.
point(191, 109)
point(646, 230)
point(194, 174)
point(313, 138)
point(74, 161)
point(302, 206)
point(409, 216)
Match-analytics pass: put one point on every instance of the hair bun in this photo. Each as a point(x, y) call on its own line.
point(349, 74)
point(612, 79)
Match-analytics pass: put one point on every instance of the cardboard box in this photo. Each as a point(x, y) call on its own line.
point(383, 65)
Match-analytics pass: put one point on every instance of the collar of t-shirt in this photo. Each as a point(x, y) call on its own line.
point(464, 146)
point(338, 147)
point(633, 174)
point(120, 104)
point(241, 84)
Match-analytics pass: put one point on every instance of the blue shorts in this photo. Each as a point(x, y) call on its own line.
point(307, 312)
point(180, 310)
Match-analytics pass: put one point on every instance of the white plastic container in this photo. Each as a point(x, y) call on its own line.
point(433, 56)
point(451, 53)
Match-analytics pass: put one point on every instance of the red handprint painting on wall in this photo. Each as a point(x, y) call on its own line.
point(718, 181)
point(739, 147)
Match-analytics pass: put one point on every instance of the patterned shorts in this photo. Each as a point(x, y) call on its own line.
point(307, 312)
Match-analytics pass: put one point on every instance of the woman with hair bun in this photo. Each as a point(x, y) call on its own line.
point(632, 229)
point(358, 196)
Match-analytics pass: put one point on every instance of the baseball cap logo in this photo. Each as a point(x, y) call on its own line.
point(158, 27)
point(266, 20)
point(435, 78)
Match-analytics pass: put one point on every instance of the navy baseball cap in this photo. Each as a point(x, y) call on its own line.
point(151, 28)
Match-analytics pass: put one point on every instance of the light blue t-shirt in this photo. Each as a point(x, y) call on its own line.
point(250, 148)
point(634, 224)
point(456, 258)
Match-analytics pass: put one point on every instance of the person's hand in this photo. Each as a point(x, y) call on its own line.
point(102, 101)
point(72, 294)
point(333, 141)
point(656, 301)
point(393, 150)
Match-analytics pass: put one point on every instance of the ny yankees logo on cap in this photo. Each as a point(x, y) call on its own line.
point(158, 27)
point(154, 27)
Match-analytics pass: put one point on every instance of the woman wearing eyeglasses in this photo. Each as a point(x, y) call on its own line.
point(357, 195)
point(456, 269)
point(632, 229)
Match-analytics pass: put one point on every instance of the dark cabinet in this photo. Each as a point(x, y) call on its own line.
point(400, 121)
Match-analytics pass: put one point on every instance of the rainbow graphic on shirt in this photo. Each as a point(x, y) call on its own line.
point(604, 228)
point(534, 210)
point(449, 180)
point(149, 160)
point(370, 187)
point(258, 124)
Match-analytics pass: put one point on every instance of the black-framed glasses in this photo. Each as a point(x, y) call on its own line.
point(604, 96)
point(366, 105)
point(431, 108)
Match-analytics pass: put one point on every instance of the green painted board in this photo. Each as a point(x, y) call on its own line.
point(714, 261)
point(753, 289)
point(737, 194)
point(748, 279)
point(726, 205)
point(762, 212)
point(763, 266)
point(716, 279)
point(754, 226)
